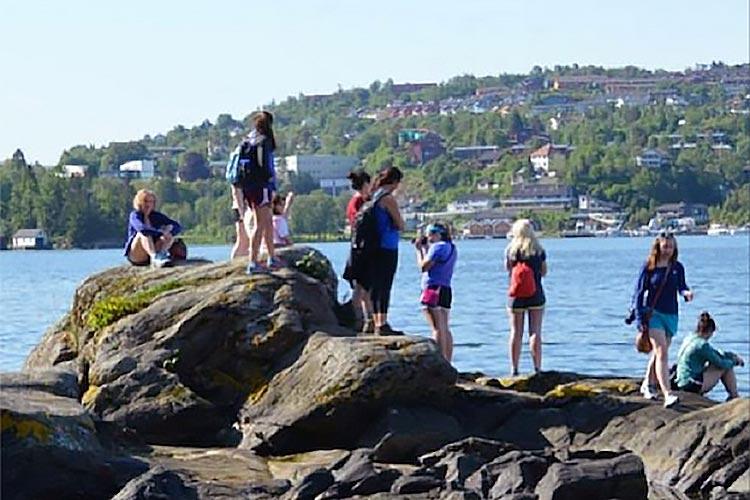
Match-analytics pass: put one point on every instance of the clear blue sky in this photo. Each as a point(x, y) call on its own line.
point(90, 72)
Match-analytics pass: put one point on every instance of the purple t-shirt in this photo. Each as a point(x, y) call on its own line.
point(443, 255)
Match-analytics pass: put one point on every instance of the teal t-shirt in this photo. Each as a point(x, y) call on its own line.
point(694, 356)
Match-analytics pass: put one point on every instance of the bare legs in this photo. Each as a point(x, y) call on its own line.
point(437, 318)
point(361, 298)
point(516, 320)
point(712, 375)
point(241, 242)
point(262, 230)
point(144, 247)
point(659, 360)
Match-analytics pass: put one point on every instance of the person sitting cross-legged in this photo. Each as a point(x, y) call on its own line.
point(150, 233)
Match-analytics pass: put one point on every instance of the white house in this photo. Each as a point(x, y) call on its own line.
point(24, 239)
point(471, 203)
point(329, 171)
point(74, 170)
point(143, 169)
point(547, 157)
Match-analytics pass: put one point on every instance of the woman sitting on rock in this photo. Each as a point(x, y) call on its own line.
point(150, 233)
point(700, 366)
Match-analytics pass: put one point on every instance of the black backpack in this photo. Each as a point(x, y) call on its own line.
point(251, 167)
point(365, 234)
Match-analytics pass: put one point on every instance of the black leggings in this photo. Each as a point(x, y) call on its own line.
point(384, 269)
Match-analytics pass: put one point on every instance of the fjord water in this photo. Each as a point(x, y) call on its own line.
point(588, 288)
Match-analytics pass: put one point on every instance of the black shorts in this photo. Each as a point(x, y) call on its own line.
point(357, 270)
point(694, 385)
point(445, 296)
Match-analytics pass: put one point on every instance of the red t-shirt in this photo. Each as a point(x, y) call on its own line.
point(353, 207)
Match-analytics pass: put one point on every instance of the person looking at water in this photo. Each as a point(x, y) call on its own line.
point(258, 185)
point(525, 248)
point(281, 207)
point(436, 259)
point(357, 270)
point(700, 366)
point(661, 279)
point(150, 233)
point(385, 260)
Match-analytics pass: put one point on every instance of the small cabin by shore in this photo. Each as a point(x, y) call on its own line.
point(30, 239)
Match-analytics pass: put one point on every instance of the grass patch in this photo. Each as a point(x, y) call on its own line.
point(106, 311)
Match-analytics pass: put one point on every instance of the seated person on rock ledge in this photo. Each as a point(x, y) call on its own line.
point(150, 233)
point(700, 366)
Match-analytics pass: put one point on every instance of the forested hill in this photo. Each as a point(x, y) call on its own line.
point(698, 118)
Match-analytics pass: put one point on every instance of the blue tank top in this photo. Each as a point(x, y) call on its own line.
point(389, 234)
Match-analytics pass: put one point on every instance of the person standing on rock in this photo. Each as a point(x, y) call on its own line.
point(436, 258)
point(357, 270)
point(700, 366)
point(525, 250)
point(150, 233)
point(661, 280)
point(258, 184)
point(385, 260)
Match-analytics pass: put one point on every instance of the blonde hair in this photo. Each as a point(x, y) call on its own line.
point(140, 198)
point(525, 242)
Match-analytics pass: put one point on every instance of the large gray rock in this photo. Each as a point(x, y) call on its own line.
point(157, 484)
point(595, 478)
point(174, 353)
point(50, 446)
point(328, 397)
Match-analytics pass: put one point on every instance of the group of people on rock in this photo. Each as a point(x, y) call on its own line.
point(151, 236)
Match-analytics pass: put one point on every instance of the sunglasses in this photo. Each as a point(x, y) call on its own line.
point(666, 236)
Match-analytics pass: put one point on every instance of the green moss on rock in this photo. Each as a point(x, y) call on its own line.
point(108, 310)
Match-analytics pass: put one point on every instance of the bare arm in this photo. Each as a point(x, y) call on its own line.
point(288, 203)
point(389, 203)
point(423, 262)
point(239, 200)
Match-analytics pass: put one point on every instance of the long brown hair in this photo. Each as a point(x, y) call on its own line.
point(655, 253)
point(264, 125)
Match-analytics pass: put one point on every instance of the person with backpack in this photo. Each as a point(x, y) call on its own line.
point(661, 280)
point(251, 168)
point(700, 366)
point(388, 224)
point(526, 263)
point(357, 270)
point(436, 258)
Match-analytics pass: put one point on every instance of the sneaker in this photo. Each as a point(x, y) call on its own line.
point(275, 263)
point(368, 327)
point(256, 268)
point(161, 259)
point(387, 330)
point(647, 391)
point(670, 400)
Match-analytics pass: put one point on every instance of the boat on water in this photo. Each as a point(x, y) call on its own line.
point(740, 230)
point(718, 230)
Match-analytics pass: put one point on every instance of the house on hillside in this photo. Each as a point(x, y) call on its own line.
point(549, 158)
point(329, 171)
point(471, 203)
point(486, 228)
point(73, 171)
point(696, 211)
point(30, 239)
point(422, 145)
point(653, 158)
point(487, 185)
point(138, 169)
point(543, 194)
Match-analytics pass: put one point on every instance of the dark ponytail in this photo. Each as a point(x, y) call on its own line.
point(706, 324)
point(389, 175)
point(358, 179)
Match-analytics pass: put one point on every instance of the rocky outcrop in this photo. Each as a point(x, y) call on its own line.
point(202, 382)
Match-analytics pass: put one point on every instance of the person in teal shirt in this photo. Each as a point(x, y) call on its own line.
point(700, 366)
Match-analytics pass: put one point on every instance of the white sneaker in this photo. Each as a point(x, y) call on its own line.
point(670, 400)
point(647, 392)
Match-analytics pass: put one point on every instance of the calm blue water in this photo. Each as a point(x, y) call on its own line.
point(588, 288)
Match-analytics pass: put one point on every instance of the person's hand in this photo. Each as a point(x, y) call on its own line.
point(167, 229)
point(688, 295)
point(738, 360)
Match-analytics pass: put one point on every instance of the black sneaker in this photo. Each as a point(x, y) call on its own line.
point(387, 330)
